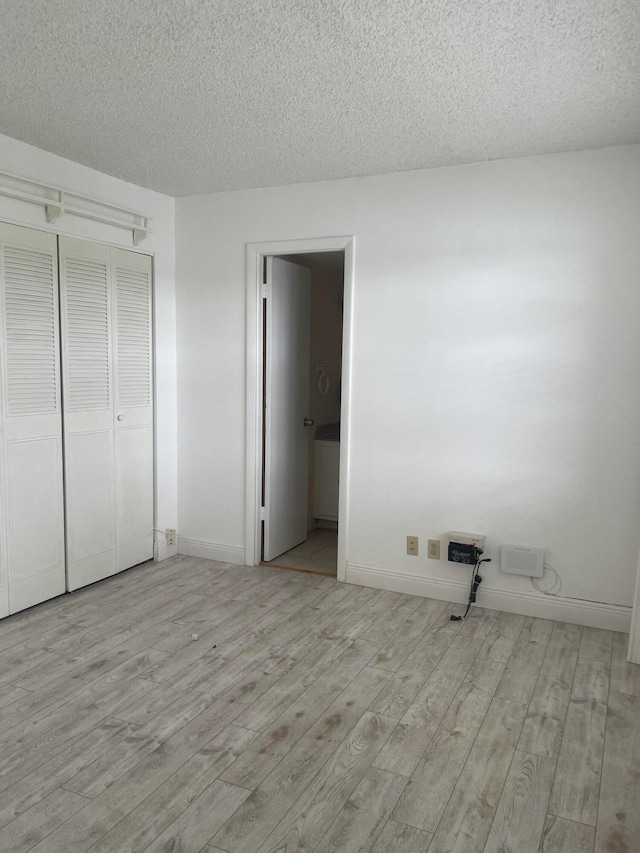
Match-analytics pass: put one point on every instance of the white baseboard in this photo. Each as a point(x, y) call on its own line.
point(162, 551)
point(211, 551)
point(613, 617)
point(634, 639)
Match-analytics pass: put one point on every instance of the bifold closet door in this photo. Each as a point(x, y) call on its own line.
point(108, 409)
point(31, 478)
point(133, 374)
point(87, 363)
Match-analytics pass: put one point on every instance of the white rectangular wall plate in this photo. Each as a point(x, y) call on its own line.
point(466, 538)
point(518, 560)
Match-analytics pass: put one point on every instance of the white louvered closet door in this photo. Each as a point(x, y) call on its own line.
point(86, 308)
point(108, 409)
point(32, 561)
point(131, 276)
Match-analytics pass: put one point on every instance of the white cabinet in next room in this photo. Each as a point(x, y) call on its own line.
point(326, 479)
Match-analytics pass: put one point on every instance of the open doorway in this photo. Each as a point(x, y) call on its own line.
point(303, 311)
point(332, 422)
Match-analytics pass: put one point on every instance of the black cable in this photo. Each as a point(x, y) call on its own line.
point(476, 580)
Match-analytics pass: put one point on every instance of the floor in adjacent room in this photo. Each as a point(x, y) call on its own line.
point(318, 554)
point(198, 706)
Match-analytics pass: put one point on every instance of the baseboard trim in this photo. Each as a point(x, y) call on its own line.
point(634, 638)
point(162, 551)
point(612, 617)
point(211, 551)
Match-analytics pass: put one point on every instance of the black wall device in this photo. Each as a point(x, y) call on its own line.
point(461, 553)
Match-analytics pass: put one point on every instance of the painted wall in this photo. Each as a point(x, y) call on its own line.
point(496, 361)
point(25, 161)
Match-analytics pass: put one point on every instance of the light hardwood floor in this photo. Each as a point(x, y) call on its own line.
point(319, 553)
point(309, 716)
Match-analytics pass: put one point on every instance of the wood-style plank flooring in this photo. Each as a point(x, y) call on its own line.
point(198, 706)
point(318, 553)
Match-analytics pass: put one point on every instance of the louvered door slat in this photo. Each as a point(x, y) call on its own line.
point(30, 324)
point(133, 336)
point(87, 334)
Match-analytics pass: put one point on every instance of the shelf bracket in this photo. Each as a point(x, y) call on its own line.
point(55, 209)
point(139, 234)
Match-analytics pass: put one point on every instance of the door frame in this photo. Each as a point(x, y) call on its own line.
point(633, 654)
point(254, 386)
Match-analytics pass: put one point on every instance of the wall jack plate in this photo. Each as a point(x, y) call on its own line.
point(466, 538)
point(170, 534)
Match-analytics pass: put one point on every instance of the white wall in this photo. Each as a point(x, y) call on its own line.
point(25, 161)
point(495, 369)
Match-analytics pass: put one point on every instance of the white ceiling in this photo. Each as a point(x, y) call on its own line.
point(192, 96)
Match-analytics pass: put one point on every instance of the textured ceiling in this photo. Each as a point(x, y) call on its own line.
point(192, 96)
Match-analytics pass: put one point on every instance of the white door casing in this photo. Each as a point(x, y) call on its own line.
point(255, 254)
point(634, 638)
point(32, 560)
point(288, 342)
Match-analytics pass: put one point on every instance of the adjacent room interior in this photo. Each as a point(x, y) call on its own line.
point(312, 538)
point(319, 427)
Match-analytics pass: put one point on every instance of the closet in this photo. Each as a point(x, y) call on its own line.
point(76, 426)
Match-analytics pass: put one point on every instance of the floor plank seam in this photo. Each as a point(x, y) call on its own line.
point(151, 794)
point(607, 725)
point(579, 822)
point(454, 786)
point(564, 722)
point(321, 765)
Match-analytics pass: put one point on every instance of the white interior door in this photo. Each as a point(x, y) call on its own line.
point(287, 353)
point(31, 480)
point(106, 313)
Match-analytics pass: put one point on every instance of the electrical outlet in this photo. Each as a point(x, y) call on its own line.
point(412, 545)
point(170, 534)
point(434, 549)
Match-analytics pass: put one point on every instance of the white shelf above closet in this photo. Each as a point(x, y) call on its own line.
point(58, 202)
